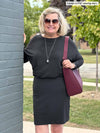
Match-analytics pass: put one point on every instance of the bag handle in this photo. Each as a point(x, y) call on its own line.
point(65, 47)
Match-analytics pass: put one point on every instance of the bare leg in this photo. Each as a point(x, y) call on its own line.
point(56, 128)
point(41, 129)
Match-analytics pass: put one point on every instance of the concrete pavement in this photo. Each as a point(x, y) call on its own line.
point(28, 127)
point(89, 71)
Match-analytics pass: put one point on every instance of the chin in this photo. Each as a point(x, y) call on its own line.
point(51, 32)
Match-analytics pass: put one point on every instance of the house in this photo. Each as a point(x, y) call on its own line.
point(11, 65)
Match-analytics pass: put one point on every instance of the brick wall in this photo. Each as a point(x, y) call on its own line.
point(11, 65)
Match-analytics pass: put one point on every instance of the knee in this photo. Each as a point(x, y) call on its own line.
point(56, 128)
point(41, 129)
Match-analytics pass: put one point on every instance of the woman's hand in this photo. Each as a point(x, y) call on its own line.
point(68, 64)
point(24, 37)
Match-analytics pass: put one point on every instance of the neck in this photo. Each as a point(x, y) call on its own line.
point(51, 36)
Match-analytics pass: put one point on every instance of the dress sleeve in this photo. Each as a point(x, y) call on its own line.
point(25, 57)
point(28, 52)
point(74, 55)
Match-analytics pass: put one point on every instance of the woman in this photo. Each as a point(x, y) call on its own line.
point(45, 52)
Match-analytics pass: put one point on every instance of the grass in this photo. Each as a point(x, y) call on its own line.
point(88, 56)
point(89, 88)
point(83, 112)
point(28, 76)
point(28, 101)
point(90, 80)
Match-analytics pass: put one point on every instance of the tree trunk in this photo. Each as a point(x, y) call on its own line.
point(93, 51)
point(97, 68)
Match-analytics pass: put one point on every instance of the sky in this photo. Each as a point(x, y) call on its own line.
point(38, 2)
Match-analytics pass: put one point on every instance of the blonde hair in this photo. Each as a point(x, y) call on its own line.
point(62, 21)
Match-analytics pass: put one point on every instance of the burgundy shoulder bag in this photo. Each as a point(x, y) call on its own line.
point(72, 77)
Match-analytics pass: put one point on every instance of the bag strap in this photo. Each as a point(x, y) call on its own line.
point(65, 47)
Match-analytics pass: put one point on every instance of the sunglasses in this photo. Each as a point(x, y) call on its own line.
point(48, 21)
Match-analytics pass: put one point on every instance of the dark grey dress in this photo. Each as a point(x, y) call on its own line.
point(50, 99)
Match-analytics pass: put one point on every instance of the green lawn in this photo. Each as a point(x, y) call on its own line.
point(28, 101)
point(88, 56)
point(83, 112)
point(89, 80)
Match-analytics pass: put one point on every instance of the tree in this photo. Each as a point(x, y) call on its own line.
point(87, 21)
point(62, 5)
point(31, 17)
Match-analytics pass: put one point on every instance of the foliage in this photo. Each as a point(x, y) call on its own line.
point(87, 21)
point(31, 17)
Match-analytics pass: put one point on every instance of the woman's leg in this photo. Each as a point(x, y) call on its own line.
point(41, 129)
point(56, 128)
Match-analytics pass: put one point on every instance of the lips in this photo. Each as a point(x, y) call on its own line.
point(49, 27)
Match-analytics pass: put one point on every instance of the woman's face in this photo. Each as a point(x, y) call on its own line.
point(51, 24)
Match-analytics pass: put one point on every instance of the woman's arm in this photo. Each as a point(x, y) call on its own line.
point(25, 55)
point(75, 60)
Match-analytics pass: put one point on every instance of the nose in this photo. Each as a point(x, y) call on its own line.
point(51, 22)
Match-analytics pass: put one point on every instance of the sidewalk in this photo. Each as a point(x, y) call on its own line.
point(28, 127)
